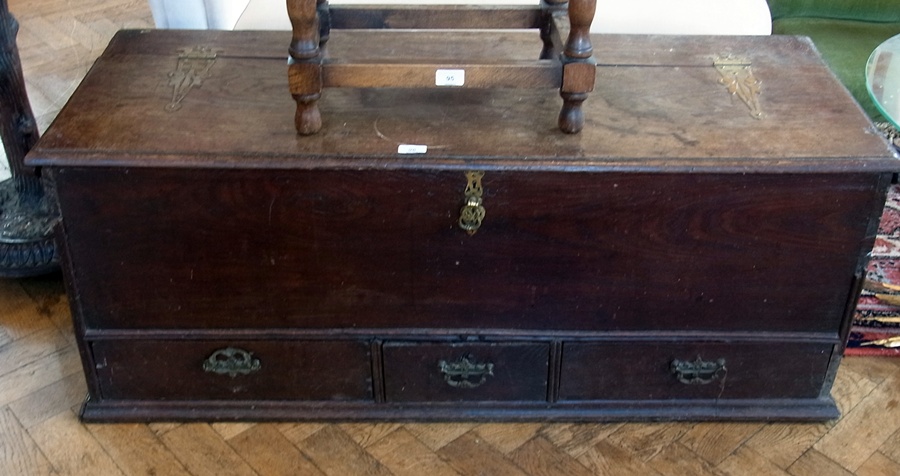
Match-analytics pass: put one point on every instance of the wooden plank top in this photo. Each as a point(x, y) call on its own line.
point(658, 105)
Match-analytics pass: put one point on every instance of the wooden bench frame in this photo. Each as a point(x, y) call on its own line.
point(566, 61)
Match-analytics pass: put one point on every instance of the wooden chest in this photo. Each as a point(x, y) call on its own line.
point(688, 255)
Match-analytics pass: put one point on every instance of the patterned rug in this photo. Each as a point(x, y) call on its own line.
point(876, 324)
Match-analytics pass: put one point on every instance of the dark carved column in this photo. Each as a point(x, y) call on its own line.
point(579, 67)
point(549, 10)
point(27, 216)
point(323, 10)
point(305, 70)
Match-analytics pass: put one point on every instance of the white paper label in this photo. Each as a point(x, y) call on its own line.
point(412, 149)
point(450, 77)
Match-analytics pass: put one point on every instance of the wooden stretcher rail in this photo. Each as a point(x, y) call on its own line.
point(376, 17)
point(535, 74)
point(563, 31)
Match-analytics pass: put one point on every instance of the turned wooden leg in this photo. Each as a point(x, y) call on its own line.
point(551, 10)
point(324, 13)
point(571, 116)
point(305, 70)
point(579, 68)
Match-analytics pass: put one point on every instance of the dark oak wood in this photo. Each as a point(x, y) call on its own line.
point(676, 226)
point(286, 370)
point(641, 370)
point(809, 409)
point(319, 249)
point(636, 124)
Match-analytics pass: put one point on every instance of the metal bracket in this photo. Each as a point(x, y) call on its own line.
point(738, 78)
point(472, 213)
point(192, 68)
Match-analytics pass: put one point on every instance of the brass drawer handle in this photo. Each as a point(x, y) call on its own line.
point(472, 213)
point(698, 372)
point(466, 372)
point(232, 362)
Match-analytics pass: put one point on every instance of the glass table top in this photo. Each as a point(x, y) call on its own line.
point(883, 79)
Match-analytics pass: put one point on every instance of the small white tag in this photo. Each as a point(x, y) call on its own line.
point(412, 149)
point(450, 77)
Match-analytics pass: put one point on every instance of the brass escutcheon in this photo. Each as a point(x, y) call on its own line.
point(472, 213)
point(191, 69)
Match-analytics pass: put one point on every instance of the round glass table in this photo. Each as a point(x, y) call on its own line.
point(883, 79)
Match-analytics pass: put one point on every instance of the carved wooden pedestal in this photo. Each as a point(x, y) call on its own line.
point(27, 217)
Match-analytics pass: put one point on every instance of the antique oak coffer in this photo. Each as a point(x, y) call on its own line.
point(439, 254)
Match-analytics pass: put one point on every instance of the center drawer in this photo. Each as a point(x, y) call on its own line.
point(233, 370)
point(436, 372)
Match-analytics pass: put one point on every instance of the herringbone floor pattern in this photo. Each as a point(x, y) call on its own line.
point(41, 385)
point(60, 39)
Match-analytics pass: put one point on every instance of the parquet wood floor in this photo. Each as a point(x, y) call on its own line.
point(41, 386)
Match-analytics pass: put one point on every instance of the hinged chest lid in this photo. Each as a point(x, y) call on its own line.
point(164, 98)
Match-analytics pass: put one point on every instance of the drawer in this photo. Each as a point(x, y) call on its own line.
point(435, 372)
point(678, 370)
point(233, 370)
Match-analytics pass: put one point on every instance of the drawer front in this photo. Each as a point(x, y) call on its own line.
point(181, 248)
point(709, 370)
point(233, 370)
point(440, 372)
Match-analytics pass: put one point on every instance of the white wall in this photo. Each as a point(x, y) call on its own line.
point(197, 14)
point(697, 17)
